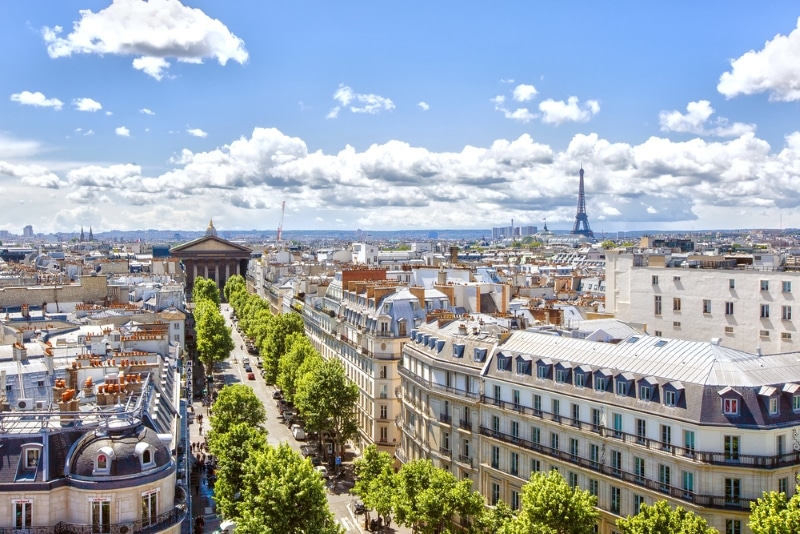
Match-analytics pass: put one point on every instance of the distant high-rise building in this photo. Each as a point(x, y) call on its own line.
point(581, 226)
point(27, 231)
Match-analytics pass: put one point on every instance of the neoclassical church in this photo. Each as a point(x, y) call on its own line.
point(211, 257)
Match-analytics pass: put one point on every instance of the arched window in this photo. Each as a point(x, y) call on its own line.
point(102, 461)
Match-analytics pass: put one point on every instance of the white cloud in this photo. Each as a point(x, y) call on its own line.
point(423, 106)
point(524, 92)
point(359, 102)
point(35, 175)
point(696, 121)
point(109, 113)
point(122, 131)
point(153, 31)
point(196, 132)
point(773, 69)
point(86, 104)
point(523, 115)
point(37, 99)
point(88, 132)
point(558, 112)
point(146, 111)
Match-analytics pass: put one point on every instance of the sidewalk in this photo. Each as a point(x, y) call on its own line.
point(202, 495)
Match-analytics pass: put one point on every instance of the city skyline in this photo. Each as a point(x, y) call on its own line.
point(361, 116)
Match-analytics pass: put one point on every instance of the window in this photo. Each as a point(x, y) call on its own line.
point(554, 441)
point(764, 285)
point(515, 398)
point(666, 437)
point(783, 485)
point(733, 526)
point(658, 333)
point(573, 448)
point(572, 479)
point(495, 457)
point(669, 397)
point(676, 324)
point(638, 501)
point(495, 423)
point(786, 335)
point(515, 500)
point(796, 403)
point(22, 513)
point(523, 366)
point(706, 306)
point(594, 455)
point(514, 429)
point(384, 411)
point(655, 280)
point(149, 508)
point(576, 414)
point(663, 477)
point(176, 326)
point(729, 308)
point(514, 463)
point(101, 516)
point(773, 406)
point(537, 405)
point(729, 330)
point(556, 409)
point(730, 406)
point(615, 498)
point(580, 380)
point(536, 435)
point(541, 371)
point(384, 435)
point(780, 444)
point(764, 311)
point(536, 466)
point(102, 461)
point(688, 441)
point(641, 431)
point(617, 422)
point(616, 462)
point(731, 444)
point(687, 482)
point(495, 493)
point(731, 283)
point(593, 487)
point(446, 441)
point(597, 419)
point(32, 457)
point(733, 491)
point(676, 304)
point(638, 469)
point(496, 395)
point(622, 387)
point(645, 392)
point(657, 305)
point(786, 313)
point(561, 375)
point(600, 383)
point(786, 287)
point(763, 333)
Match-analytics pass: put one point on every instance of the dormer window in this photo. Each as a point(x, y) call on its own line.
point(523, 366)
point(102, 461)
point(146, 453)
point(31, 454)
point(645, 393)
point(730, 406)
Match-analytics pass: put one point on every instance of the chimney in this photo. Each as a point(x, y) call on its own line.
point(454, 254)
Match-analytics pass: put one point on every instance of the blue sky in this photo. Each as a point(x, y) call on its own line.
point(381, 116)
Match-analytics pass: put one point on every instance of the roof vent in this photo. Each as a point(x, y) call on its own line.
point(716, 340)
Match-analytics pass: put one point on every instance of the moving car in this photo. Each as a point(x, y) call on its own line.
point(251, 376)
point(248, 369)
point(245, 361)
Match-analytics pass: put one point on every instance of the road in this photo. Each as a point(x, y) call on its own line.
point(233, 373)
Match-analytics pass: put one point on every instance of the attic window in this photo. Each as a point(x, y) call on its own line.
point(145, 453)
point(633, 339)
point(439, 345)
point(458, 350)
point(660, 343)
point(480, 354)
point(31, 455)
point(102, 461)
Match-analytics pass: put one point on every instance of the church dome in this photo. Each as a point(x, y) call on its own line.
point(211, 231)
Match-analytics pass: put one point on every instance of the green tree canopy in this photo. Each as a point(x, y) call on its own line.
point(282, 494)
point(663, 519)
point(214, 341)
point(493, 520)
point(205, 289)
point(274, 345)
point(236, 404)
point(234, 287)
point(426, 498)
point(375, 484)
point(299, 349)
point(549, 502)
point(233, 450)
point(774, 513)
point(327, 400)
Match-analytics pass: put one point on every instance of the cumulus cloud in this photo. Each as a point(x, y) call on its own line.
point(196, 132)
point(153, 31)
point(696, 121)
point(359, 102)
point(523, 115)
point(122, 131)
point(146, 111)
point(558, 112)
point(35, 175)
point(774, 69)
point(37, 99)
point(86, 104)
point(423, 106)
point(524, 92)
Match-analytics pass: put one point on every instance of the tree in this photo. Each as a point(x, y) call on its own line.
point(205, 289)
point(273, 347)
point(774, 513)
point(492, 520)
point(289, 367)
point(663, 519)
point(214, 341)
point(282, 494)
point(375, 483)
point(549, 502)
point(236, 404)
point(426, 497)
point(233, 450)
point(234, 287)
point(327, 400)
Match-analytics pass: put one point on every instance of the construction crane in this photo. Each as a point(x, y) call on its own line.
point(280, 226)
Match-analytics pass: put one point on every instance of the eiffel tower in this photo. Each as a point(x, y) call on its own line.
point(581, 226)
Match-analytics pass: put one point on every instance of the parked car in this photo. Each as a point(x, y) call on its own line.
point(245, 361)
point(298, 432)
point(359, 508)
point(322, 470)
point(248, 369)
point(277, 394)
point(259, 364)
point(251, 376)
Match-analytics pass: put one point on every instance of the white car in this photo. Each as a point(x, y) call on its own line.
point(298, 432)
point(245, 361)
point(322, 470)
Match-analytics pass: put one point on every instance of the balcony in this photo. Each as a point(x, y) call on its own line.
point(445, 451)
point(708, 501)
point(460, 393)
point(157, 524)
point(704, 457)
point(445, 418)
point(465, 424)
point(464, 459)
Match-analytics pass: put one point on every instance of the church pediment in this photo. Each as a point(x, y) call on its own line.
point(209, 244)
